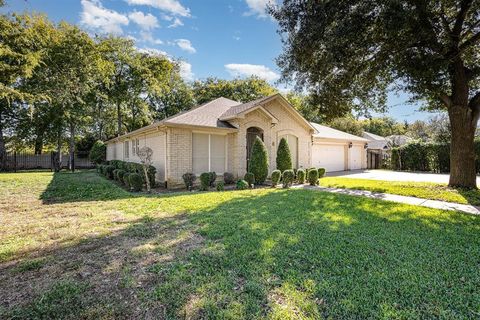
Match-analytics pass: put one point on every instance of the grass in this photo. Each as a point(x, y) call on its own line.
point(279, 254)
point(425, 190)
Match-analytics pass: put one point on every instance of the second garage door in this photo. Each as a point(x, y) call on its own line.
point(330, 157)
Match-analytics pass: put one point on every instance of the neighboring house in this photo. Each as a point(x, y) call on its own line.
point(218, 136)
point(378, 150)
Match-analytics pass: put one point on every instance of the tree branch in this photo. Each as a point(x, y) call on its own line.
point(469, 42)
point(462, 14)
point(446, 99)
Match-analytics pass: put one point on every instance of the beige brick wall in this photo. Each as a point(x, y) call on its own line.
point(179, 155)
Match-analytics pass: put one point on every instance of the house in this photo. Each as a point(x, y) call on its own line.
point(378, 150)
point(218, 136)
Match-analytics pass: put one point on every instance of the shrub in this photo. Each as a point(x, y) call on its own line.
point(120, 174)
point(276, 175)
point(313, 176)
point(258, 163)
point(321, 172)
point(242, 185)
point(228, 178)
point(189, 179)
point(115, 177)
point(301, 176)
point(98, 153)
point(220, 186)
point(287, 178)
point(118, 164)
point(250, 178)
point(126, 179)
point(284, 158)
point(213, 177)
point(205, 181)
point(109, 171)
point(136, 182)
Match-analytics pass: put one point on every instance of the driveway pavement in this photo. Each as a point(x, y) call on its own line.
point(387, 175)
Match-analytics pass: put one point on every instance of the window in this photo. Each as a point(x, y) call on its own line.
point(135, 144)
point(126, 152)
point(208, 153)
point(293, 146)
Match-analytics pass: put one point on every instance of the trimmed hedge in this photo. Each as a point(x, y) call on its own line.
point(220, 186)
point(258, 163)
point(287, 178)
point(135, 181)
point(250, 178)
point(284, 158)
point(321, 172)
point(228, 178)
point(133, 167)
point(276, 175)
point(189, 180)
point(430, 157)
point(301, 176)
point(205, 181)
point(313, 176)
point(242, 185)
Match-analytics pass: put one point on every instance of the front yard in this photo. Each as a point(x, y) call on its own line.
point(78, 246)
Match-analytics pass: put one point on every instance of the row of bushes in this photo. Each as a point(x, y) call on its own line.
point(288, 177)
point(132, 180)
point(134, 167)
point(430, 157)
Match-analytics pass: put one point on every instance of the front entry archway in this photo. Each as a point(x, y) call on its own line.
point(252, 133)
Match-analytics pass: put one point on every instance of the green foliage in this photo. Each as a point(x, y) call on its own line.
point(205, 179)
point(98, 153)
point(276, 175)
point(347, 124)
point(250, 178)
point(242, 185)
point(126, 179)
point(419, 156)
point(258, 164)
point(212, 178)
point(189, 180)
point(228, 178)
point(120, 174)
point(220, 186)
point(135, 182)
point(287, 178)
point(301, 176)
point(321, 172)
point(313, 176)
point(109, 171)
point(115, 176)
point(284, 157)
point(133, 167)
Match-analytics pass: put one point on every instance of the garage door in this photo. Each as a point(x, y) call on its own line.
point(356, 158)
point(330, 157)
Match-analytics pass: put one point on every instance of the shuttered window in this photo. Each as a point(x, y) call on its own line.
point(208, 153)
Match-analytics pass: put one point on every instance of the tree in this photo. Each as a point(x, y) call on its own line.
point(347, 124)
point(351, 52)
point(98, 153)
point(384, 126)
point(259, 161)
point(284, 157)
point(242, 90)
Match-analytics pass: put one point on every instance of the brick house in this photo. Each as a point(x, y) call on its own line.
point(218, 136)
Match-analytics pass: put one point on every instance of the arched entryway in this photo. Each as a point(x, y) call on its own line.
point(252, 133)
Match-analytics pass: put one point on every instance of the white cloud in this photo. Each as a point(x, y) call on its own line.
point(176, 23)
point(145, 21)
point(153, 51)
point(186, 71)
point(185, 45)
point(95, 16)
point(245, 69)
point(172, 6)
point(258, 7)
point(147, 36)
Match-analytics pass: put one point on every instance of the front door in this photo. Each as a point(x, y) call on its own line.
point(252, 133)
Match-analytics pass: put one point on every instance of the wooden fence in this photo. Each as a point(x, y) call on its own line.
point(27, 161)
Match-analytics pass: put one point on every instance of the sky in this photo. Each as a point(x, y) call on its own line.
point(220, 38)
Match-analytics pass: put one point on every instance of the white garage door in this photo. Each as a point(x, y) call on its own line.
point(330, 157)
point(356, 158)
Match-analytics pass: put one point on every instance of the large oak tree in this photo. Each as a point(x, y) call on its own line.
point(349, 53)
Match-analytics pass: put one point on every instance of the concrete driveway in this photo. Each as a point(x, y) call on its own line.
point(387, 175)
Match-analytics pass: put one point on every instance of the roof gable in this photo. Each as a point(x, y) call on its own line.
point(330, 133)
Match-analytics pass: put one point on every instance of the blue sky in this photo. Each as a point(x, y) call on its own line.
point(218, 38)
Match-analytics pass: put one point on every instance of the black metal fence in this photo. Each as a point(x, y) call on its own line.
point(28, 161)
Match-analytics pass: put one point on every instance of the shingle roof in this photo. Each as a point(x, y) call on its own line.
point(330, 133)
point(239, 108)
point(206, 115)
point(375, 141)
point(372, 136)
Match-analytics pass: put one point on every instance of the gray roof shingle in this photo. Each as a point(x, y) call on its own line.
point(330, 133)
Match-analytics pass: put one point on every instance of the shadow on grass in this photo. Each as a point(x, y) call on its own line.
point(296, 253)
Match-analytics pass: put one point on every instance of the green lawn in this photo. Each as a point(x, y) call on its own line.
point(425, 190)
point(78, 246)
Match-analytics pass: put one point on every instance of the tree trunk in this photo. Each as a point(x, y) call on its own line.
point(71, 148)
point(462, 150)
point(119, 120)
point(58, 155)
point(3, 151)
point(39, 142)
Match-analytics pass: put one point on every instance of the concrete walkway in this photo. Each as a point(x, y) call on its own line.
point(436, 204)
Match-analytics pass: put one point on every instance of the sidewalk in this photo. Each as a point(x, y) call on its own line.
point(436, 204)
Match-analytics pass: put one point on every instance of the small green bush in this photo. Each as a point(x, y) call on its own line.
point(120, 174)
point(276, 175)
point(220, 186)
point(228, 178)
point(109, 171)
point(189, 179)
point(98, 153)
point(313, 176)
point(321, 172)
point(284, 158)
point(301, 176)
point(205, 181)
point(125, 179)
point(258, 163)
point(287, 178)
point(212, 178)
point(136, 182)
point(115, 177)
point(242, 185)
point(250, 178)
